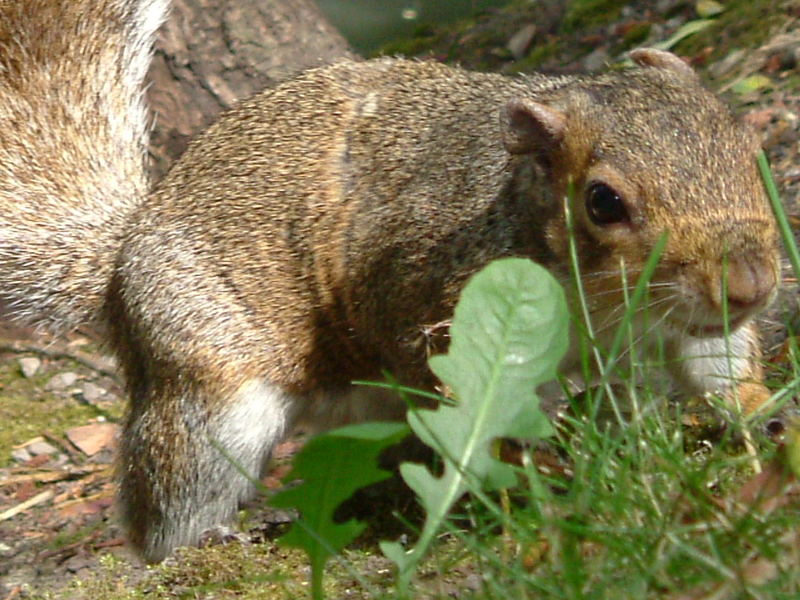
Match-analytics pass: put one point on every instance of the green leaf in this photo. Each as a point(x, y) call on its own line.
point(708, 8)
point(508, 335)
point(332, 466)
point(687, 29)
point(752, 84)
point(787, 235)
point(792, 438)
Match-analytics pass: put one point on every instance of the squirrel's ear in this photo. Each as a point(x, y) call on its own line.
point(650, 57)
point(531, 127)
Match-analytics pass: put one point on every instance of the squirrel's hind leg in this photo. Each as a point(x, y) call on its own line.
point(182, 453)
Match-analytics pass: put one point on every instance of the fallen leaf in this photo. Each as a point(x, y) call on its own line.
point(767, 490)
point(753, 83)
point(686, 30)
point(760, 118)
point(38, 461)
point(773, 64)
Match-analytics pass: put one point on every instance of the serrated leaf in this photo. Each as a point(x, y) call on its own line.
point(508, 335)
point(332, 466)
point(752, 84)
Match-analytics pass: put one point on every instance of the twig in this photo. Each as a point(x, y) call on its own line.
point(33, 501)
point(38, 438)
point(14, 593)
point(751, 450)
point(53, 476)
point(103, 365)
point(66, 446)
point(85, 499)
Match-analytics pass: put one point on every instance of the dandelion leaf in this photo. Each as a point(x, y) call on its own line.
point(508, 335)
point(332, 467)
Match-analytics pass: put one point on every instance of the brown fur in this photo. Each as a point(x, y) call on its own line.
point(311, 234)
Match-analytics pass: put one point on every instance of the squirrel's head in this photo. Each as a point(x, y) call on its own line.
point(649, 151)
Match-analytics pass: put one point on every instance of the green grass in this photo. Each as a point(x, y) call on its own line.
point(637, 518)
point(639, 514)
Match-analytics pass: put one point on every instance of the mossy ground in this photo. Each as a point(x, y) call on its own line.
point(742, 24)
point(568, 31)
point(28, 411)
point(258, 571)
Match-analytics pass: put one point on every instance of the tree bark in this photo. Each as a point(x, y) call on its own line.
point(212, 52)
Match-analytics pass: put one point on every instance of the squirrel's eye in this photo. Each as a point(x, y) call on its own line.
point(605, 206)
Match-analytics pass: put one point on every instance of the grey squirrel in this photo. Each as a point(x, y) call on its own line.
point(309, 235)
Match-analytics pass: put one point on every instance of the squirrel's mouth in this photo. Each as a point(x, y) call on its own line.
point(715, 330)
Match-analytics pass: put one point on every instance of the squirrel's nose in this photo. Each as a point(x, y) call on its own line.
point(750, 280)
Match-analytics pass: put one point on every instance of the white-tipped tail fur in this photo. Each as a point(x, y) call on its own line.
point(195, 460)
point(73, 141)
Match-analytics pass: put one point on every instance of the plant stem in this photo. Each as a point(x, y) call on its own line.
point(780, 213)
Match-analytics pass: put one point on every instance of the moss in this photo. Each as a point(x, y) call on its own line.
point(423, 41)
point(589, 14)
point(69, 536)
point(743, 24)
point(537, 55)
point(637, 34)
point(245, 572)
point(42, 412)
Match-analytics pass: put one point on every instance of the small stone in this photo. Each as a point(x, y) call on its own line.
point(77, 563)
point(61, 381)
point(60, 460)
point(597, 60)
point(521, 41)
point(29, 366)
point(40, 447)
point(91, 439)
point(21, 455)
point(92, 392)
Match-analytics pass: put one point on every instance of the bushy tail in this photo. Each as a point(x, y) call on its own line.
point(73, 143)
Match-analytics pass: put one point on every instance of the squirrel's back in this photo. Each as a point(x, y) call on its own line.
point(359, 197)
point(342, 157)
point(73, 142)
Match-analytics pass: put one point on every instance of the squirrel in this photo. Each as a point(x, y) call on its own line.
point(308, 236)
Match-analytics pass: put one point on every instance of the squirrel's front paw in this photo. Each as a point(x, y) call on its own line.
point(221, 534)
point(748, 397)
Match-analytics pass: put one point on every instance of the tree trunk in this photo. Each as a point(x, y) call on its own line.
point(212, 52)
